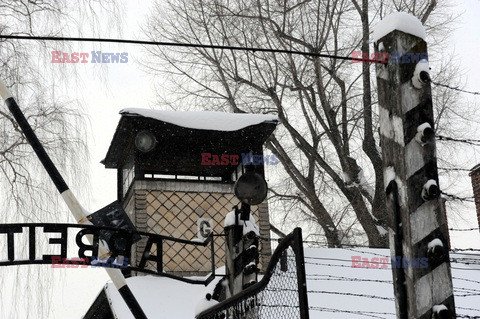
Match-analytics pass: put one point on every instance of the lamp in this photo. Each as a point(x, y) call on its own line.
point(145, 141)
point(251, 187)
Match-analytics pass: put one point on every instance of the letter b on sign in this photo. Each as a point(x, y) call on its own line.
point(204, 228)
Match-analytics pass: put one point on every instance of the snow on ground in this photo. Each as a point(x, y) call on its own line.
point(336, 290)
point(158, 297)
point(204, 120)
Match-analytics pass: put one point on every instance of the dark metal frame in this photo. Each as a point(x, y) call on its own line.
point(132, 234)
point(293, 240)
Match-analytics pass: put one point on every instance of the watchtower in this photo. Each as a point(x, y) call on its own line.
point(176, 168)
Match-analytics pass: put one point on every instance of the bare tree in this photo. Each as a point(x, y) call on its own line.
point(328, 141)
point(27, 192)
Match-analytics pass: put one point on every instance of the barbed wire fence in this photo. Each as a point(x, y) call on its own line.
point(463, 260)
point(280, 294)
point(254, 300)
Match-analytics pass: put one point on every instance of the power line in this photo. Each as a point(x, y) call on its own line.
point(334, 293)
point(187, 45)
point(214, 46)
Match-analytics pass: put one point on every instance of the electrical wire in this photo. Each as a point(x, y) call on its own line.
point(187, 45)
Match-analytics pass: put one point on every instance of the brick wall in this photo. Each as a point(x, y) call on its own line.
point(475, 176)
point(172, 208)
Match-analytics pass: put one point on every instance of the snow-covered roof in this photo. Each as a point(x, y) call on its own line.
point(399, 21)
point(203, 120)
point(336, 290)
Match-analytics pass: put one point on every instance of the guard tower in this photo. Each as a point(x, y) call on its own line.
point(166, 185)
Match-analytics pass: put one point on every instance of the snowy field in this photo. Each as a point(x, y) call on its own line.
point(336, 290)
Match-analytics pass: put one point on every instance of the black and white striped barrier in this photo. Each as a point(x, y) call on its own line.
point(242, 254)
point(417, 222)
point(74, 206)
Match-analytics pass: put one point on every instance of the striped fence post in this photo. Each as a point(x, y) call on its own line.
point(417, 225)
point(242, 253)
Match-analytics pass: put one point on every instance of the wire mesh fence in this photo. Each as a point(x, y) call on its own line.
point(280, 294)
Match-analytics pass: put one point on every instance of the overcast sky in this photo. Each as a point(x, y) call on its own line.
point(125, 85)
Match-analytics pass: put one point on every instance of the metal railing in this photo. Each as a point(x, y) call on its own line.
point(280, 294)
point(115, 237)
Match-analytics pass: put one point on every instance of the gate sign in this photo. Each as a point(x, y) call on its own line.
point(118, 240)
point(204, 227)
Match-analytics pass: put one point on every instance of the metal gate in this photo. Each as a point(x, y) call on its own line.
point(280, 294)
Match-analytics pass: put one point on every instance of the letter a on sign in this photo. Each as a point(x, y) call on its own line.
point(204, 227)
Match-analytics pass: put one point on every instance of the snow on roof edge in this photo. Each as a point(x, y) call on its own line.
point(400, 21)
point(204, 120)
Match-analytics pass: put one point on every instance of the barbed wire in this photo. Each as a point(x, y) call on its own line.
point(454, 169)
point(468, 280)
point(456, 88)
point(461, 140)
point(378, 264)
point(321, 244)
point(454, 250)
point(370, 314)
point(456, 197)
point(466, 308)
point(351, 294)
point(341, 278)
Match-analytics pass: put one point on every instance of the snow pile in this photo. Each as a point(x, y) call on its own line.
point(206, 301)
point(400, 21)
point(230, 219)
point(420, 132)
point(204, 120)
point(382, 230)
point(430, 183)
point(436, 309)
point(388, 175)
point(158, 297)
point(422, 65)
point(248, 225)
point(204, 304)
point(435, 243)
